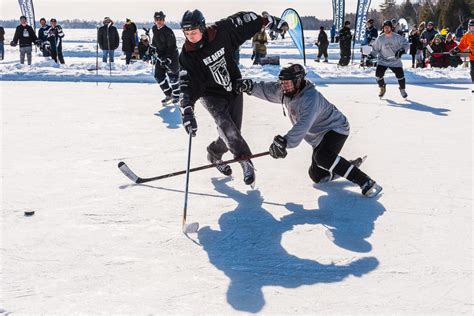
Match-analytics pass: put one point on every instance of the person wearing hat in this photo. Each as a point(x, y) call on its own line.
point(108, 39)
point(389, 48)
point(427, 36)
point(437, 48)
point(129, 40)
point(167, 65)
point(345, 38)
point(143, 47)
point(416, 47)
point(259, 45)
point(315, 120)
point(323, 44)
point(55, 38)
point(467, 44)
point(43, 38)
point(25, 35)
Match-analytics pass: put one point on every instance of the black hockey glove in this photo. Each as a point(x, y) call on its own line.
point(278, 147)
point(399, 53)
point(276, 24)
point(12, 43)
point(165, 62)
point(189, 121)
point(455, 51)
point(243, 85)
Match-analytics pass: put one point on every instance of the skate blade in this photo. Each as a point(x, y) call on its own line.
point(373, 191)
point(191, 228)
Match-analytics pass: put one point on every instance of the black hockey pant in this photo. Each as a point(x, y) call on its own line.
point(326, 161)
point(168, 79)
point(398, 71)
point(228, 117)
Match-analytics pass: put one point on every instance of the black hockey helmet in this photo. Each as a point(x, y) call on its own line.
point(159, 15)
point(193, 20)
point(387, 23)
point(370, 21)
point(294, 72)
point(471, 22)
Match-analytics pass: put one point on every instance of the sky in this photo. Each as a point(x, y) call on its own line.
point(141, 10)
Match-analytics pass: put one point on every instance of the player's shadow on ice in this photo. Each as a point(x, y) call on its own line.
point(248, 248)
point(412, 105)
point(170, 115)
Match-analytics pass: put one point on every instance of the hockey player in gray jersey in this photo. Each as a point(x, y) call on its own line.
point(315, 120)
point(389, 48)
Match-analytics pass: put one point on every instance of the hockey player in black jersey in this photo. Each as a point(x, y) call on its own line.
point(209, 73)
point(167, 66)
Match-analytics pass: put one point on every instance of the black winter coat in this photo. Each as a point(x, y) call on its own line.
point(2, 34)
point(25, 35)
point(345, 37)
point(323, 39)
point(128, 38)
point(370, 35)
point(210, 70)
point(108, 35)
point(415, 43)
point(165, 43)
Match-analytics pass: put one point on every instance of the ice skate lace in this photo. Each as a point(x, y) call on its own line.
point(247, 167)
point(221, 166)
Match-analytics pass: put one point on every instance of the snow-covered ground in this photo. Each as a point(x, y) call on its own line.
point(98, 244)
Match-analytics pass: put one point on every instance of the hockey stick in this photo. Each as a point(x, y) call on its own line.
point(136, 179)
point(192, 227)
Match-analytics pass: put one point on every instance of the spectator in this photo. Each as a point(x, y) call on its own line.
point(108, 39)
point(55, 38)
point(144, 48)
point(128, 40)
point(438, 47)
point(453, 61)
point(2, 40)
point(416, 47)
point(44, 46)
point(322, 44)
point(333, 33)
point(370, 32)
point(25, 35)
point(345, 38)
point(427, 36)
point(259, 44)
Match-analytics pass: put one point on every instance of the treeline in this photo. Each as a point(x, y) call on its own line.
point(444, 13)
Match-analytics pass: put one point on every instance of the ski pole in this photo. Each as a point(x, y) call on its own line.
point(136, 179)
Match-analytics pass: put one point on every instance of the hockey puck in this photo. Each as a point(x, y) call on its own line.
point(29, 213)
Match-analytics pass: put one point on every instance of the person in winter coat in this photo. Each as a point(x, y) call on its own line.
point(371, 32)
point(128, 40)
point(259, 44)
point(143, 48)
point(345, 39)
point(2, 42)
point(108, 39)
point(55, 38)
point(44, 45)
point(416, 47)
point(333, 33)
point(467, 43)
point(25, 35)
point(389, 48)
point(167, 65)
point(427, 36)
point(322, 44)
point(314, 119)
point(209, 73)
point(436, 50)
point(450, 44)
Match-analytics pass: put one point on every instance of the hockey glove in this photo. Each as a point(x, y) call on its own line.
point(189, 121)
point(12, 43)
point(243, 85)
point(399, 53)
point(165, 62)
point(455, 51)
point(276, 24)
point(278, 147)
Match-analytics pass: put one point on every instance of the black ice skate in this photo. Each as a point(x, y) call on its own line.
point(223, 168)
point(249, 172)
point(168, 100)
point(403, 93)
point(370, 188)
point(382, 91)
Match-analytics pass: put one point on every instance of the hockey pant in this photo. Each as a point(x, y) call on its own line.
point(168, 79)
point(398, 71)
point(326, 161)
point(227, 114)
